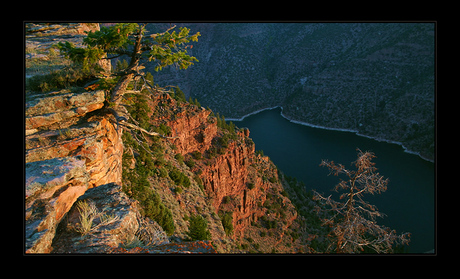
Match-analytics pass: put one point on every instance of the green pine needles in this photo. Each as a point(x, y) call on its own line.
point(198, 228)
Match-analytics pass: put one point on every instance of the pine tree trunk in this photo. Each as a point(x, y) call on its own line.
point(124, 81)
point(120, 89)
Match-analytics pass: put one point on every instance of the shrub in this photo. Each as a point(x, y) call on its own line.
point(164, 129)
point(154, 208)
point(196, 155)
point(226, 199)
point(57, 79)
point(223, 141)
point(137, 186)
point(179, 158)
point(190, 163)
point(198, 228)
point(198, 181)
point(162, 172)
point(227, 222)
point(179, 178)
point(271, 224)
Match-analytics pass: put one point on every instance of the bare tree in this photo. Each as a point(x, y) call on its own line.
point(353, 220)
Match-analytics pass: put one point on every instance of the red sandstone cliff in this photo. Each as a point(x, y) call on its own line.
point(235, 179)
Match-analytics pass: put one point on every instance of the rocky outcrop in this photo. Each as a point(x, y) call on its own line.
point(194, 131)
point(76, 201)
point(192, 127)
point(228, 176)
point(78, 159)
point(71, 146)
point(125, 226)
point(52, 186)
point(40, 39)
point(60, 107)
point(58, 129)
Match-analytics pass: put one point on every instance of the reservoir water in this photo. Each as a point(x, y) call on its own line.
point(409, 202)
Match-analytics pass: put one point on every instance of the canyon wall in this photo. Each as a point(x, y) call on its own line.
point(236, 180)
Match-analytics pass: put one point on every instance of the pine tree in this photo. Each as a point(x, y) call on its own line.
point(198, 228)
point(164, 49)
point(180, 96)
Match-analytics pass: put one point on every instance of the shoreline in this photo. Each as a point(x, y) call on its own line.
point(406, 150)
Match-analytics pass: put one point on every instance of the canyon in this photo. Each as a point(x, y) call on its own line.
point(93, 185)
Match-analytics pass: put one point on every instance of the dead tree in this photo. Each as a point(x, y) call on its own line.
point(352, 220)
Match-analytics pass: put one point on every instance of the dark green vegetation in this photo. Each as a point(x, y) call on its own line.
point(149, 162)
point(198, 229)
point(227, 222)
point(58, 79)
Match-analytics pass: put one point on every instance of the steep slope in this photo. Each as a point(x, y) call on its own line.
point(73, 145)
point(229, 186)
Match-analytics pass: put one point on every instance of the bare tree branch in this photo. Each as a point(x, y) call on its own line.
point(145, 131)
point(351, 231)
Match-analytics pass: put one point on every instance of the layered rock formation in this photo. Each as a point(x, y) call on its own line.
point(72, 145)
point(41, 58)
point(52, 186)
point(58, 125)
point(68, 151)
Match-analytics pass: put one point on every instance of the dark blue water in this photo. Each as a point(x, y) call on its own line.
point(298, 150)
